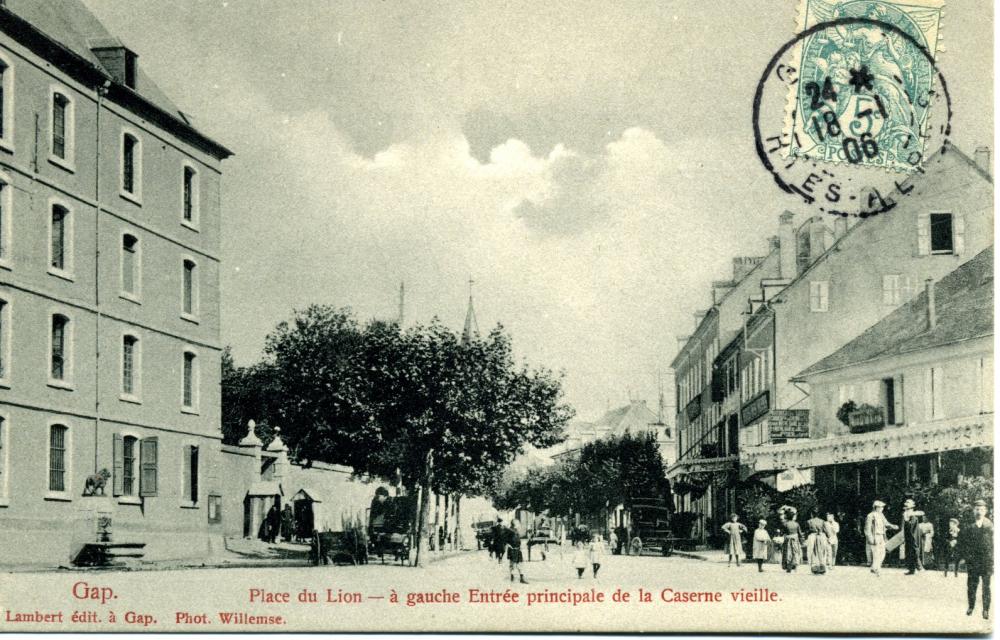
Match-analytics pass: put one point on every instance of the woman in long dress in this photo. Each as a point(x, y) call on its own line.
point(791, 549)
point(818, 546)
point(761, 545)
point(734, 546)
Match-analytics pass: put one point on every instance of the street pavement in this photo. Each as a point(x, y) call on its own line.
point(848, 599)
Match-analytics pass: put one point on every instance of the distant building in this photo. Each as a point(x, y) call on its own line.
point(635, 418)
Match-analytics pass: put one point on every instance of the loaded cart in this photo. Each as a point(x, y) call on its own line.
point(651, 527)
point(390, 525)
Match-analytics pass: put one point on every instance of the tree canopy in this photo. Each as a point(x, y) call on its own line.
point(422, 405)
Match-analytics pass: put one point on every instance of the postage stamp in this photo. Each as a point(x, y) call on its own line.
point(866, 82)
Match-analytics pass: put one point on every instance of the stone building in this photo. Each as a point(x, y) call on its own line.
point(109, 295)
point(909, 400)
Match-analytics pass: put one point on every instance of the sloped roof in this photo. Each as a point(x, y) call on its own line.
point(964, 310)
point(612, 419)
point(71, 25)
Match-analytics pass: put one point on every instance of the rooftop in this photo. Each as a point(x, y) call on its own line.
point(963, 304)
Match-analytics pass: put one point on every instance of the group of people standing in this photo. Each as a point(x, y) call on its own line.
point(278, 522)
point(505, 542)
point(821, 542)
point(974, 544)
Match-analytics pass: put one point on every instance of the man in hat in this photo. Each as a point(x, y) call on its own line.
point(876, 527)
point(975, 543)
point(911, 536)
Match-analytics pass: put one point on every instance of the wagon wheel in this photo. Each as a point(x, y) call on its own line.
point(635, 547)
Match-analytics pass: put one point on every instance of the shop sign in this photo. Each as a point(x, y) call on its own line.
point(757, 407)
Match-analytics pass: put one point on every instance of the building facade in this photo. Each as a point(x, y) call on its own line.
point(836, 278)
point(109, 295)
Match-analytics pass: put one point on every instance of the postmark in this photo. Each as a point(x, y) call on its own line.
point(852, 106)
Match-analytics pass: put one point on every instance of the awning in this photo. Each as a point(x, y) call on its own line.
point(897, 442)
point(265, 488)
point(305, 494)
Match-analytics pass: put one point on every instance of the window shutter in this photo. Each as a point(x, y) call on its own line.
point(897, 396)
point(929, 394)
point(958, 233)
point(148, 467)
point(938, 392)
point(119, 465)
point(923, 234)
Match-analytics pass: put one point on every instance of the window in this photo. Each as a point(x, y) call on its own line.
point(940, 233)
point(189, 293)
point(58, 445)
point(125, 460)
point(190, 196)
point(189, 481)
point(59, 369)
point(130, 266)
point(6, 220)
point(130, 366)
point(190, 381)
point(3, 460)
point(61, 128)
point(891, 290)
point(4, 340)
point(214, 509)
point(131, 169)
point(819, 296)
point(59, 221)
point(6, 104)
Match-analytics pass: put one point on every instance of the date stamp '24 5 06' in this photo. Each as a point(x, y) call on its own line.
point(866, 82)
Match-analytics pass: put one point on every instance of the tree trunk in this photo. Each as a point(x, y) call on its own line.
point(458, 522)
point(436, 522)
point(425, 510)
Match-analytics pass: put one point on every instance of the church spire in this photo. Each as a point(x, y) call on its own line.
point(471, 329)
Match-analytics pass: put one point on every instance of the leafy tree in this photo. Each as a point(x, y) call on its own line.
point(755, 500)
point(440, 413)
point(248, 393)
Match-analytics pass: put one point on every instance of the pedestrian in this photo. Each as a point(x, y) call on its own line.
point(513, 548)
point(597, 551)
point(818, 547)
point(951, 546)
point(734, 544)
point(497, 540)
point(613, 542)
point(832, 530)
point(975, 544)
point(273, 519)
point(927, 559)
point(791, 548)
point(287, 523)
point(912, 542)
point(761, 544)
point(875, 533)
point(580, 558)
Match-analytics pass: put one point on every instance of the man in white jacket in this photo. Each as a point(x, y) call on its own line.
point(876, 527)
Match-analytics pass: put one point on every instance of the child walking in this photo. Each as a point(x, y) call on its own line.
point(761, 544)
point(579, 558)
point(597, 551)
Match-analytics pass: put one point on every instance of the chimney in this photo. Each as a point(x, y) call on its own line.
point(983, 159)
point(817, 239)
point(786, 245)
point(839, 227)
point(931, 305)
point(698, 317)
point(681, 341)
point(773, 244)
point(117, 59)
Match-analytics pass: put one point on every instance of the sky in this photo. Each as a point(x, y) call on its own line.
point(590, 165)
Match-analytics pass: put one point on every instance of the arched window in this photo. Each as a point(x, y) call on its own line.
point(190, 196)
point(60, 363)
point(130, 366)
point(6, 217)
point(130, 265)
point(189, 289)
point(60, 240)
point(190, 380)
point(131, 167)
point(58, 448)
point(4, 340)
point(6, 103)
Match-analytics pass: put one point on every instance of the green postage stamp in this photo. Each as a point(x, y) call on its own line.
point(867, 80)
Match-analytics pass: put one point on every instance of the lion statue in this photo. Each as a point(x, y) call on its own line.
point(94, 485)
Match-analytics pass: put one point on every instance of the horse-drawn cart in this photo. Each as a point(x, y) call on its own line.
point(651, 527)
